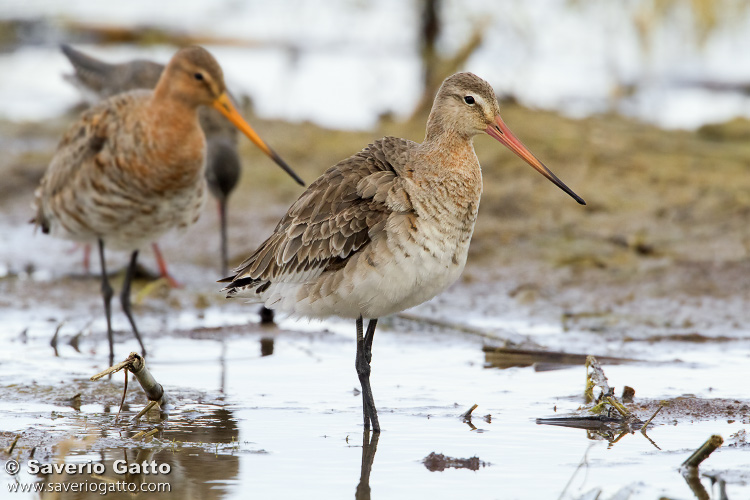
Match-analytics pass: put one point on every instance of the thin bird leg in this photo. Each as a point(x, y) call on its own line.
point(125, 299)
point(107, 293)
point(363, 371)
point(361, 365)
point(223, 229)
point(86, 247)
point(87, 259)
point(163, 267)
point(369, 336)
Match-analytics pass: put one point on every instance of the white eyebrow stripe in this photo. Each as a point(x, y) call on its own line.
point(479, 100)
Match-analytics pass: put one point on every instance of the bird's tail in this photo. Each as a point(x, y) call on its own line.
point(91, 73)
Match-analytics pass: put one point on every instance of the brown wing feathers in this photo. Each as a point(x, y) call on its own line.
point(328, 224)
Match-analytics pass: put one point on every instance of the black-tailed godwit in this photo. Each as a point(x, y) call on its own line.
point(99, 80)
point(132, 167)
point(386, 229)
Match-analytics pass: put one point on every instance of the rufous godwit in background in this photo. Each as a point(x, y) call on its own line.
point(386, 229)
point(132, 167)
point(99, 80)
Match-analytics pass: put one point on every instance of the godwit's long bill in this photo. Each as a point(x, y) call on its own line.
point(224, 105)
point(385, 229)
point(132, 167)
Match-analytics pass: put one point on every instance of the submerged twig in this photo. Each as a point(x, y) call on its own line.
point(467, 414)
point(643, 429)
point(704, 451)
point(646, 424)
point(12, 445)
point(145, 434)
point(693, 480)
point(620, 436)
point(653, 443)
point(145, 410)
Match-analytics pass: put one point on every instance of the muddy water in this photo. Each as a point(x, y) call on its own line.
point(274, 412)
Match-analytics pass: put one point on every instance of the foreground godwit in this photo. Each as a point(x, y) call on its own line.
point(386, 229)
point(99, 80)
point(132, 167)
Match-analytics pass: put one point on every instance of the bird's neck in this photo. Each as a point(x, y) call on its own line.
point(449, 177)
point(178, 143)
point(449, 155)
point(175, 121)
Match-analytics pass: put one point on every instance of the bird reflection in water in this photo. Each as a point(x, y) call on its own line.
point(369, 447)
point(266, 346)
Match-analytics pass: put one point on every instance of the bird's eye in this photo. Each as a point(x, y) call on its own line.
point(198, 76)
point(469, 99)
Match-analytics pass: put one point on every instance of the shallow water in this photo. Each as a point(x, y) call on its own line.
point(274, 412)
point(289, 423)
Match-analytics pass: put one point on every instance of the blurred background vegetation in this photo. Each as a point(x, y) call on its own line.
point(667, 209)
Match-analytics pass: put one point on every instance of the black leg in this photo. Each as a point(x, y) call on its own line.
point(369, 336)
point(223, 229)
point(107, 293)
point(363, 369)
point(125, 299)
point(362, 363)
point(368, 339)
